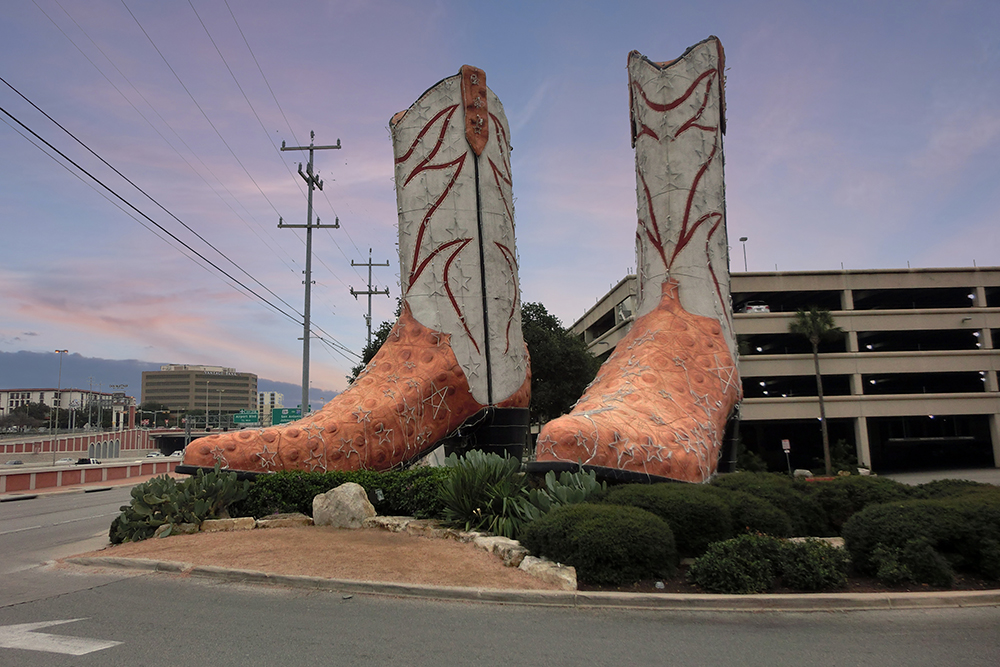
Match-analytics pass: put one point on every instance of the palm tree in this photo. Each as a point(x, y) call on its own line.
point(818, 325)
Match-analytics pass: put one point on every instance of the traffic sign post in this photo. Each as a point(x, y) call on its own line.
point(786, 446)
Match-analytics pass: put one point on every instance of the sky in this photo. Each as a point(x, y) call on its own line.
point(859, 135)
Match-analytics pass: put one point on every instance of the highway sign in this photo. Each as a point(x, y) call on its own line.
point(246, 417)
point(285, 415)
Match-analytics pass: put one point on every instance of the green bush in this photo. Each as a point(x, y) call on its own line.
point(414, 492)
point(951, 488)
point(696, 516)
point(607, 544)
point(813, 565)
point(941, 525)
point(842, 497)
point(792, 496)
point(745, 564)
point(915, 561)
point(751, 514)
point(483, 492)
point(164, 501)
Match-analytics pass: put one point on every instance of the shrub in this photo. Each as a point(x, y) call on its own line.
point(697, 517)
point(893, 525)
point(792, 496)
point(164, 501)
point(745, 564)
point(414, 492)
point(483, 493)
point(842, 497)
point(607, 544)
point(915, 561)
point(951, 488)
point(813, 565)
point(751, 514)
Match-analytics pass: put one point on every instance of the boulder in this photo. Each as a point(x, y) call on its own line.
point(563, 576)
point(510, 551)
point(346, 506)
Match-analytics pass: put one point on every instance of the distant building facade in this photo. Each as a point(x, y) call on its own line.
point(95, 403)
point(210, 388)
point(912, 382)
point(267, 401)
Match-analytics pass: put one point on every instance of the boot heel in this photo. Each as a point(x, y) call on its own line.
point(501, 431)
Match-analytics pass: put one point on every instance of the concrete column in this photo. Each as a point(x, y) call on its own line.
point(847, 299)
point(857, 386)
point(995, 437)
point(980, 300)
point(863, 449)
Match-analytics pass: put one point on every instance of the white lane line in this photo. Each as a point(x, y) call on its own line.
point(86, 518)
point(19, 530)
point(59, 523)
point(23, 637)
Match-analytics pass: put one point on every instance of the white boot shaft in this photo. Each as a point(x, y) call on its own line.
point(678, 119)
point(458, 263)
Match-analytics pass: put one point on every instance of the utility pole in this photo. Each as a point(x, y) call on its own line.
point(369, 291)
point(313, 181)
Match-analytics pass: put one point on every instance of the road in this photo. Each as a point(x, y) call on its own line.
point(48, 527)
point(157, 619)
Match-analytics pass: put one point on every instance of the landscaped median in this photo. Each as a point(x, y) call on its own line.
point(728, 537)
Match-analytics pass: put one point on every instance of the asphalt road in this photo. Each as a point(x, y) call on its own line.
point(168, 620)
point(48, 527)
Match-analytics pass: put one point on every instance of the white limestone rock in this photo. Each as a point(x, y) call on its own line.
point(346, 506)
point(563, 576)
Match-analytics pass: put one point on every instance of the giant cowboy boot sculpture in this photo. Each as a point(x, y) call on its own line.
point(659, 405)
point(455, 358)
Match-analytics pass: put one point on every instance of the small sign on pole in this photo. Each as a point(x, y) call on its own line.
point(786, 446)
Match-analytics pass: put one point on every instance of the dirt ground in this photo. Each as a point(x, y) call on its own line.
point(321, 551)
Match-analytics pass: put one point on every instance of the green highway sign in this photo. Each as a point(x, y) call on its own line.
point(246, 417)
point(285, 415)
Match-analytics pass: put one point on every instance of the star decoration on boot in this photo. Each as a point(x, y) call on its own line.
point(220, 456)
point(266, 457)
point(703, 402)
point(313, 431)
point(362, 415)
point(438, 401)
point(316, 461)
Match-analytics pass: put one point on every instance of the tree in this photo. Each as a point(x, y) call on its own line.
point(817, 325)
point(561, 365)
point(378, 338)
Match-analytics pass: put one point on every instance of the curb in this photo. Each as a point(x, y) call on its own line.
point(804, 602)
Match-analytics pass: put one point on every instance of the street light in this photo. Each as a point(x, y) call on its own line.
point(55, 431)
point(743, 240)
point(221, 391)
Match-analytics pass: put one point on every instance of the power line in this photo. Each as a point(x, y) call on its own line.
point(134, 185)
point(158, 225)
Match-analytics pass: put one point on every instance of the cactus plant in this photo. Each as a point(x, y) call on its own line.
point(164, 501)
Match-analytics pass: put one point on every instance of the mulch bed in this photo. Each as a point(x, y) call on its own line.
point(855, 584)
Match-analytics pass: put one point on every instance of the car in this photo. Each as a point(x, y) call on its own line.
point(756, 307)
point(179, 452)
point(15, 462)
point(154, 455)
point(87, 462)
point(65, 461)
